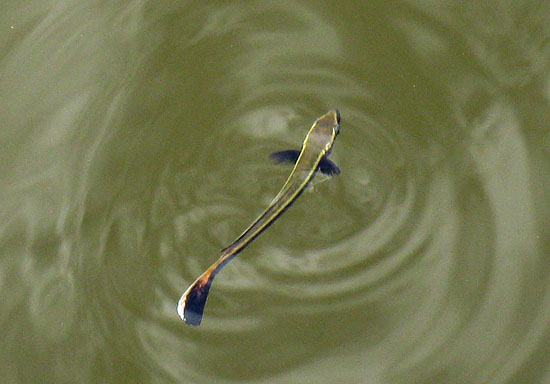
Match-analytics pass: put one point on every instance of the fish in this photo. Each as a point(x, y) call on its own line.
point(311, 158)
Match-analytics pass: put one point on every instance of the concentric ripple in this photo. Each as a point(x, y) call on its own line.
point(136, 144)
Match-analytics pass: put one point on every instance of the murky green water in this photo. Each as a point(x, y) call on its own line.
point(134, 145)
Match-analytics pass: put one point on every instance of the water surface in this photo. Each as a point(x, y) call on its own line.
point(134, 145)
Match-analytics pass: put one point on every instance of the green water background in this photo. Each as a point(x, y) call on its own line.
point(134, 143)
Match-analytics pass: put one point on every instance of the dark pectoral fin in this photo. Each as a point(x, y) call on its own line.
point(289, 156)
point(328, 168)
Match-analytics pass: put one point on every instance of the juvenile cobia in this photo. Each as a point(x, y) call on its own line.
point(312, 157)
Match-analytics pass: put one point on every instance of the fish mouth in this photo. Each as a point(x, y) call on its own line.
point(337, 115)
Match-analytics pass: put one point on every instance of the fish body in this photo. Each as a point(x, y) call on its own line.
point(311, 158)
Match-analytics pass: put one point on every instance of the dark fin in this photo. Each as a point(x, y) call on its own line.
point(328, 168)
point(195, 300)
point(289, 156)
